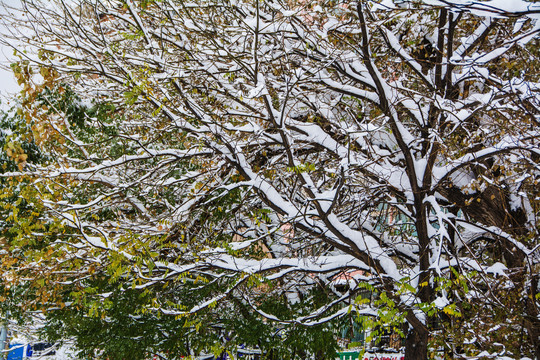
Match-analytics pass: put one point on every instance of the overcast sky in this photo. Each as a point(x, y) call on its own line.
point(7, 81)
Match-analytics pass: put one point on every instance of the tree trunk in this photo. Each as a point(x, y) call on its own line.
point(534, 335)
point(416, 345)
point(532, 322)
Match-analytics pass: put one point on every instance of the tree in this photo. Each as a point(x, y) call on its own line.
point(88, 294)
point(256, 150)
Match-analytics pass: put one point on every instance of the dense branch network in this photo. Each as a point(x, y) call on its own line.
point(294, 142)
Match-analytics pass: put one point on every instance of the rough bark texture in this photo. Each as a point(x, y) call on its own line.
point(532, 323)
point(416, 345)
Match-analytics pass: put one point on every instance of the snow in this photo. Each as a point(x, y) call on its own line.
point(441, 302)
point(350, 90)
point(258, 91)
point(497, 269)
point(383, 5)
point(468, 41)
point(489, 8)
point(8, 83)
point(226, 119)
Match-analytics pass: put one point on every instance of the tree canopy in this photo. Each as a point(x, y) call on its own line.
point(208, 170)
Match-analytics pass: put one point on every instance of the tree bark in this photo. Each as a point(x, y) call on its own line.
point(532, 323)
point(416, 344)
